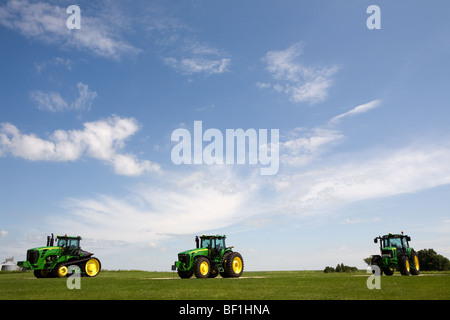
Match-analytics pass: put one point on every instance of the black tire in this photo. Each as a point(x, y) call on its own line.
point(375, 261)
point(224, 274)
point(415, 266)
point(38, 273)
point(403, 265)
point(214, 273)
point(202, 267)
point(185, 274)
point(234, 265)
point(388, 271)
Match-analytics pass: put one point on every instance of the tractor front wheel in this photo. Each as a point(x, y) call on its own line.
point(202, 268)
point(60, 271)
point(185, 274)
point(415, 267)
point(388, 271)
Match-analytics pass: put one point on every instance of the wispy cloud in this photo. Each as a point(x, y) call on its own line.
point(357, 110)
point(213, 198)
point(305, 145)
point(102, 140)
point(184, 203)
point(178, 46)
point(46, 22)
point(407, 170)
point(52, 101)
point(195, 58)
point(302, 83)
point(54, 62)
point(216, 197)
point(194, 65)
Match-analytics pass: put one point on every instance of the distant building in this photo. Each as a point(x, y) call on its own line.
point(9, 265)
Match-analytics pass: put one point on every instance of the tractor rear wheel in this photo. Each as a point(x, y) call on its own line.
point(202, 267)
point(234, 265)
point(404, 267)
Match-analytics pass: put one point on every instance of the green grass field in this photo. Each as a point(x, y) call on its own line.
point(281, 285)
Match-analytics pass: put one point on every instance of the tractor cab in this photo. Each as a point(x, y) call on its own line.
point(211, 242)
point(69, 244)
point(394, 242)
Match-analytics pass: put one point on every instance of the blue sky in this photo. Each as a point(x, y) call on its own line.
point(86, 118)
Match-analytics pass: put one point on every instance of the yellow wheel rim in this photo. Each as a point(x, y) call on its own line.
point(407, 265)
point(92, 267)
point(62, 271)
point(237, 265)
point(204, 268)
point(416, 263)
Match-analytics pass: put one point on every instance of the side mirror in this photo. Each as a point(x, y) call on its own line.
point(375, 240)
point(408, 238)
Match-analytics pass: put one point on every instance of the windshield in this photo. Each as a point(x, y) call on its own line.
point(205, 243)
point(215, 243)
point(68, 242)
point(395, 242)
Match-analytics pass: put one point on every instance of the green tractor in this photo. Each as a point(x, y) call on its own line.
point(54, 261)
point(396, 254)
point(210, 258)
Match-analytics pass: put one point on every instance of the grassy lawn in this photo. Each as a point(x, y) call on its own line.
point(280, 285)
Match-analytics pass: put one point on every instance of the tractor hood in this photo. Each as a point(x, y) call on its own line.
point(46, 248)
point(195, 251)
point(34, 254)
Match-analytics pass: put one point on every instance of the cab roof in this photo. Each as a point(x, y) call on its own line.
point(68, 237)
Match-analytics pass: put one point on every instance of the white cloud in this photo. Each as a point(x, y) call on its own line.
point(311, 144)
point(303, 146)
point(198, 65)
point(84, 100)
point(183, 52)
point(49, 101)
point(213, 198)
point(46, 22)
point(357, 110)
point(102, 140)
point(389, 173)
point(54, 62)
point(196, 58)
point(301, 83)
point(184, 203)
point(52, 101)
